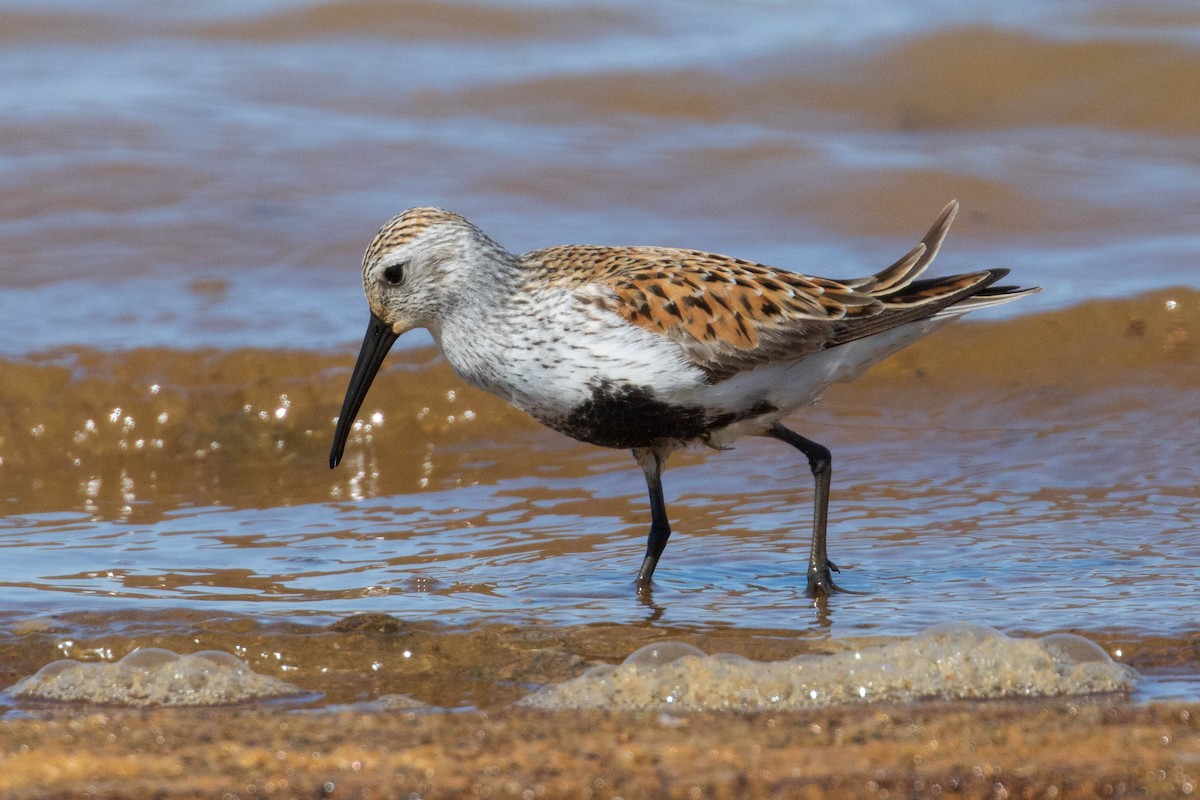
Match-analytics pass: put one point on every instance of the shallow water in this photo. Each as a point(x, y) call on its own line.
point(185, 195)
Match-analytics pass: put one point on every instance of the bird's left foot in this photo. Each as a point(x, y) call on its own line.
point(820, 581)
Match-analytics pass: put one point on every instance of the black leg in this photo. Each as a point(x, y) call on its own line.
point(820, 579)
point(660, 527)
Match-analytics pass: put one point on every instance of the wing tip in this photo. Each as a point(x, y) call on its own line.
point(910, 266)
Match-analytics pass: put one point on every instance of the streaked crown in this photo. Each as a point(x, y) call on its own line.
point(406, 227)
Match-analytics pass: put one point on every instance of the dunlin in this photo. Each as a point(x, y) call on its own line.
point(650, 348)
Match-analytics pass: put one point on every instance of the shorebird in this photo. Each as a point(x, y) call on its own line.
point(650, 349)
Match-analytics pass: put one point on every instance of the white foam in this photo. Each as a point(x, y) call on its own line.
point(947, 661)
point(153, 676)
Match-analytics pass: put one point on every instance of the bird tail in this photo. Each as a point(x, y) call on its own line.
point(903, 298)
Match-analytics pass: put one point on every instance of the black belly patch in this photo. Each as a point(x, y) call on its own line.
point(627, 416)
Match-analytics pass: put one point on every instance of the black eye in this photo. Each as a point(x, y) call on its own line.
point(394, 274)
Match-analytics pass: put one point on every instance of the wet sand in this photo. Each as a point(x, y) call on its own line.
point(1056, 749)
point(415, 709)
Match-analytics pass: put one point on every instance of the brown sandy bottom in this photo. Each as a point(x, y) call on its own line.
point(363, 731)
point(1054, 749)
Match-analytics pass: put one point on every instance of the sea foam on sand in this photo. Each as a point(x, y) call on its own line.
point(953, 660)
point(153, 676)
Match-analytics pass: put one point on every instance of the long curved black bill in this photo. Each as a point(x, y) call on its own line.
point(375, 346)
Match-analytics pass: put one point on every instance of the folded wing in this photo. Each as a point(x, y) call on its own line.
point(730, 315)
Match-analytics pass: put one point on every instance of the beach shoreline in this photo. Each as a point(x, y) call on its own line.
point(1062, 748)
